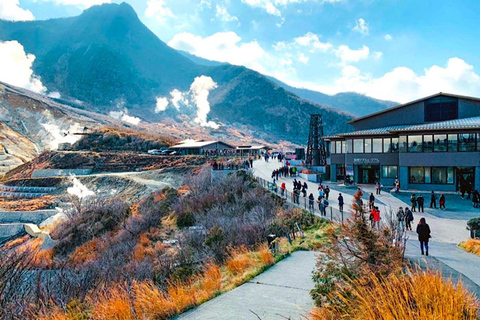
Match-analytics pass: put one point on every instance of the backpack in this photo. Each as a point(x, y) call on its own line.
point(325, 203)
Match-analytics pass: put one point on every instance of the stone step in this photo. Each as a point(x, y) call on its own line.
point(35, 217)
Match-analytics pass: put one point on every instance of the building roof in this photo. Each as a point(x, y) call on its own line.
point(457, 124)
point(413, 102)
point(191, 144)
point(250, 147)
point(466, 123)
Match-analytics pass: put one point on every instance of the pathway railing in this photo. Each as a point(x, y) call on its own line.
point(302, 202)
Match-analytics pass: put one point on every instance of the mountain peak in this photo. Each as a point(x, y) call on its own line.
point(112, 9)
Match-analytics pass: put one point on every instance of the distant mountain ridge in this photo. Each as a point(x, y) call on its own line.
point(108, 59)
point(351, 102)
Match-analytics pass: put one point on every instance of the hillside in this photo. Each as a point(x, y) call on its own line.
point(108, 59)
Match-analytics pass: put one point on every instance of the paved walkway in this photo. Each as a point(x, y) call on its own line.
point(282, 292)
point(446, 233)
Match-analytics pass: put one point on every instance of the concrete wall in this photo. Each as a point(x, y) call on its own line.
point(47, 173)
point(413, 114)
point(35, 217)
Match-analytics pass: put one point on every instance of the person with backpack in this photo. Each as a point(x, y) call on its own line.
point(423, 231)
point(420, 202)
point(375, 217)
point(401, 219)
point(442, 201)
point(433, 200)
point(340, 202)
point(413, 201)
point(408, 219)
point(327, 192)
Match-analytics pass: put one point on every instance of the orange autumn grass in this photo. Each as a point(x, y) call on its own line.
point(144, 300)
point(471, 245)
point(418, 295)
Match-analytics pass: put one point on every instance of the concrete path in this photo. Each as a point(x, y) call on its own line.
point(282, 292)
point(446, 233)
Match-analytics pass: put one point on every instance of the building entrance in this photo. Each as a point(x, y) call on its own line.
point(368, 174)
point(465, 178)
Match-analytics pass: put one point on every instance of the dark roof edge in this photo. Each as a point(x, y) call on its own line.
point(413, 102)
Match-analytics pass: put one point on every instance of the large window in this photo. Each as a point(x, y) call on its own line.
point(344, 146)
point(441, 109)
point(395, 145)
point(338, 148)
point(414, 143)
point(390, 172)
point(427, 143)
point(466, 142)
point(387, 145)
point(417, 175)
point(403, 143)
point(452, 143)
point(368, 146)
point(433, 175)
point(357, 145)
point(349, 146)
point(440, 142)
point(377, 146)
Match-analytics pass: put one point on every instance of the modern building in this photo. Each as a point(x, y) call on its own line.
point(247, 151)
point(191, 147)
point(428, 144)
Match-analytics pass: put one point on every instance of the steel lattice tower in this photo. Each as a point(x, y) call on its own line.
point(316, 154)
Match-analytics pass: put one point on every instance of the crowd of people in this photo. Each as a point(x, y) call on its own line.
point(232, 164)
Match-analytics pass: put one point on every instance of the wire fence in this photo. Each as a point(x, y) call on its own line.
point(299, 201)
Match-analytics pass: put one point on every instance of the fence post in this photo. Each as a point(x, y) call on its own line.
point(342, 216)
point(331, 214)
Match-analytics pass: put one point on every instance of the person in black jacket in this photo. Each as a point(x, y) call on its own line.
point(423, 230)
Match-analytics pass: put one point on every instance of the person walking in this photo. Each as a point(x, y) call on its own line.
point(475, 198)
point(408, 219)
point(378, 187)
point(371, 201)
point(311, 202)
point(321, 193)
point(327, 192)
point(323, 206)
point(282, 188)
point(420, 202)
point(433, 200)
point(340, 202)
point(413, 201)
point(423, 231)
point(401, 219)
point(376, 218)
point(442, 201)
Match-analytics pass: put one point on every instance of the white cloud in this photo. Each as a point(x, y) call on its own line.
point(377, 54)
point(16, 67)
point(388, 37)
point(11, 10)
point(272, 7)
point(223, 15)
point(162, 104)
point(83, 4)
point(303, 58)
point(361, 27)
point(221, 46)
point(312, 41)
point(402, 84)
point(350, 55)
point(158, 10)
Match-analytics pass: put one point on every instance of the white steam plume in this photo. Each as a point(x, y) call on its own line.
point(196, 97)
point(54, 95)
point(62, 136)
point(79, 189)
point(123, 116)
point(200, 90)
point(16, 67)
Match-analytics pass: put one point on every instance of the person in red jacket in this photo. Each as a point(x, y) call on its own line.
point(375, 215)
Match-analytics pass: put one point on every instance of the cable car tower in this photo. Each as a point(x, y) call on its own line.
point(316, 153)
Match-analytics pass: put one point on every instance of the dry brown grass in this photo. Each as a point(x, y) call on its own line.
point(88, 252)
point(418, 295)
point(471, 245)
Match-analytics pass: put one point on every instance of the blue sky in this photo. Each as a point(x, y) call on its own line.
point(397, 50)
